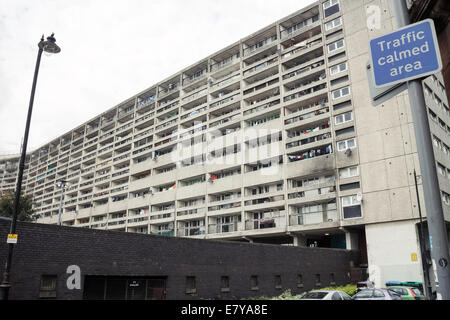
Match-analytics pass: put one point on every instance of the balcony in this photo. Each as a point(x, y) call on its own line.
point(194, 96)
point(301, 48)
point(229, 61)
point(145, 102)
point(166, 233)
point(260, 45)
point(306, 93)
point(201, 74)
point(164, 92)
point(225, 101)
point(305, 164)
point(191, 231)
point(300, 27)
point(260, 66)
point(223, 228)
point(275, 221)
point(316, 214)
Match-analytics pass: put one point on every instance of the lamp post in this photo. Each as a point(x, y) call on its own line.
point(61, 184)
point(48, 46)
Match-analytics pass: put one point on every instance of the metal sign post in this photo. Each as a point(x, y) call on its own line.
point(431, 190)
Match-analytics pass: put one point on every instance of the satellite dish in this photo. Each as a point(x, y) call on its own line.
point(348, 152)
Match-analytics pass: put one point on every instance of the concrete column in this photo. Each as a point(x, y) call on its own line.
point(299, 240)
point(351, 241)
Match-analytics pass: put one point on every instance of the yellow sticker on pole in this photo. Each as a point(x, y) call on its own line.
point(414, 257)
point(12, 238)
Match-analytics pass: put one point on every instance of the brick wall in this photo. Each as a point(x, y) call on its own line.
point(49, 250)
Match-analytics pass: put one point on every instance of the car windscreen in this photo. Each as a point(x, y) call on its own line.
point(364, 294)
point(315, 295)
point(416, 291)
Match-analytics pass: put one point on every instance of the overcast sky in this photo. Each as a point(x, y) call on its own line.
point(111, 50)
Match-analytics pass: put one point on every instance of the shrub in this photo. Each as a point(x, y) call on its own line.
point(286, 295)
point(349, 289)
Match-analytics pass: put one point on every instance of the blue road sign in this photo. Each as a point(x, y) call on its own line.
point(408, 53)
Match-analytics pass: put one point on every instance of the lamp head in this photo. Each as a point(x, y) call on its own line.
point(49, 45)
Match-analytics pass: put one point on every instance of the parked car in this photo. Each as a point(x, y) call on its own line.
point(412, 284)
point(377, 294)
point(408, 293)
point(326, 295)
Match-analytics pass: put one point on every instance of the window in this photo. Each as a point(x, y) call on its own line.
point(446, 198)
point(349, 186)
point(336, 296)
point(441, 169)
point(378, 294)
point(333, 24)
point(190, 285)
point(332, 279)
point(254, 283)
point(224, 284)
point(343, 118)
point(330, 7)
point(342, 105)
point(338, 68)
point(48, 286)
point(335, 45)
point(344, 131)
point(346, 144)
point(299, 281)
point(318, 280)
point(367, 293)
point(339, 93)
point(351, 207)
point(278, 282)
point(348, 172)
point(337, 56)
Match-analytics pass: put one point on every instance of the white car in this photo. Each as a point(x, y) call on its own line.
point(326, 295)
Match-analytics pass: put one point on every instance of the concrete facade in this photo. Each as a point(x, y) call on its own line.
point(272, 139)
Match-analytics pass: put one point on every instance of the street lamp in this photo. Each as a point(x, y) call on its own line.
point(61, 184)
point(51, 47)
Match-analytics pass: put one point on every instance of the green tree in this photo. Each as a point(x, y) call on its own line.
point(25, 206)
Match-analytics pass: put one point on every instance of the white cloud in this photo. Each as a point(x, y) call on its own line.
point(111, 50)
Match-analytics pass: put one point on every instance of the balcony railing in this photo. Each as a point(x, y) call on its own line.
point(261, 66)
point(265, 223)
point(308, 115)
point(225, 82)
point(313, 217)
point(305, 92)
point(259, 45)
point(194, 96)
point(225, 227)
point(300, 47)
point(145, 102)
point(224, 101)
point(303, 70)
point(191, 231)
point(167, 233)
point(197, 76)
point(225, 62)
point(299, 26)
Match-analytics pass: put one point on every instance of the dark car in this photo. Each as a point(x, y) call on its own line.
point(377, 294)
